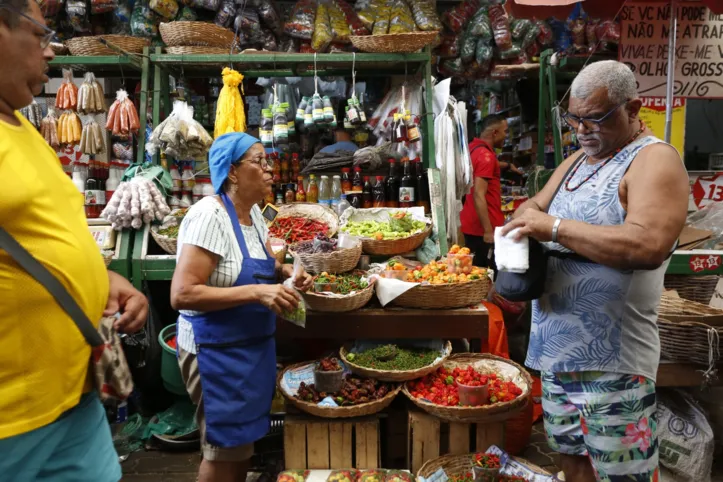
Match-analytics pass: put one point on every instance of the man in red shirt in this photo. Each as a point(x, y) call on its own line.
point(482, 211)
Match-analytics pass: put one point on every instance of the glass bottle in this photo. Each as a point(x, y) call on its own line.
point(392, 185)
point(284, 168)
point(412, 129)
point(342, 206)
point(336, 189)
point(367, 194)
point(280, 195)
point(422, 186)
point(345, 179)
point(379, 192)
point(289, 195)
point(324, 191)
point(312, 193)
point(407, 186)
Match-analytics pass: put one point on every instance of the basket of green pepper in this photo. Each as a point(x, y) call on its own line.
point(351, 292)
point(166, 235)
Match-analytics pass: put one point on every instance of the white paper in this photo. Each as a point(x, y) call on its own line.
point(388, 288)
point(293, 378)
point(511, 255)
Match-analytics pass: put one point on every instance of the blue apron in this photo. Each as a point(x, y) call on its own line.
point(237, 357)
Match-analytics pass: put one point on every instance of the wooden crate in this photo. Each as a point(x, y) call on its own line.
point(321, 443)
point(430, 437)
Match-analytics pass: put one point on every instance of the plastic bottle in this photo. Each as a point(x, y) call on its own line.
point(343, 205)
point(336, 189)
point(176, 178)
point(187, 178)
point(186, 199)
point(357, 183)
point(281, 127)
point(266, 129)
point(280, 196)
point(78, 178)
point(112, 183)
point(301, 109)
point(312, 192)
point(379, 191)
point(324, 191)
point(367, 194)
point(208, 188)
point(328, 109)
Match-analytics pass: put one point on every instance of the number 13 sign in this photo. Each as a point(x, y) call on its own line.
point(707, 189)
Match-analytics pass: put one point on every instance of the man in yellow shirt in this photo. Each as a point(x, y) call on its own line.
point(52, 425)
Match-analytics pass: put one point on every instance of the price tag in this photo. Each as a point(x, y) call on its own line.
point(707, 189)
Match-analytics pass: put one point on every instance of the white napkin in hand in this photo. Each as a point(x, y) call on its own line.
point(511, 255)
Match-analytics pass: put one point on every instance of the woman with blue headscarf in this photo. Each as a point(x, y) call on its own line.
point(227, 289)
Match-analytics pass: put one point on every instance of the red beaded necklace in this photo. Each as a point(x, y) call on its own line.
point(602, 164)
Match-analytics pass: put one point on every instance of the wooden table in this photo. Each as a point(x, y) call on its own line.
point(375, 322)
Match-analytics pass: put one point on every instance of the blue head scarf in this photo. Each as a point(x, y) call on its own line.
point(226, 150)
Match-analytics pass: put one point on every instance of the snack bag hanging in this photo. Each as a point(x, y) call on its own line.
point(230, 115)
point(67, 96)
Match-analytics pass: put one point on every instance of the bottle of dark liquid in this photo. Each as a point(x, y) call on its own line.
point(345, 180)
point(392, 186)
point(357, 184)
point(407, 186)
point(367, 194)
point(422, 186)
point(379, 192)
point(94, 191)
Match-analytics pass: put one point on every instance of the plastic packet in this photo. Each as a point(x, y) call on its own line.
point(289, 45)
point(67, 96)
point(453, 66)
point(121, 22)
point(122, 151)
point(297, 316)
point(180, 136)
point(293, 476)
point(576, 23)
point(480, 26)
point(560, 34)
point(456, 18)
point(339, 27)
point(449, 48)
point(323, 35)
point(381, 23)
point(187, 14)
point(102, 6)
point(401, 20)
point(425, 16)
point(212, 5)
point(144, 23)
point(519, 27)
point(269, 41)
point(530, 37)
point(269, 16)
point(466, 52)
point(352, 19)
point(372, 475)
point(168, 9)
point(368, 14)
point(483, 55)
point(398, 476)
point(50, 8)
point(500, 27)
point(77, 15)
point(226, 14)
point(510, 53)
point(343, 475)
point(546, 37)
point(591, 34)
point(301, 21)
point(608, 33)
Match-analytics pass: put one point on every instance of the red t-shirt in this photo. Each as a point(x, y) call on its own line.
point(486, 166)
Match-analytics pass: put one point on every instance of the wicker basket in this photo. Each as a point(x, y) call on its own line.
point(497, 412)
point(679, 309)
point(460, 464)
point(394, 375)
point(361, 410)
point(446, 296)
point(695, 288)
point(391, 247)
point(58, 48)
point(400, 43)
point(689, 342)
point(339, 261)
point(203, 34)
point(197, 50)
point(169, 245)
point(321, 303)
point(314, 211)
point(92, 46)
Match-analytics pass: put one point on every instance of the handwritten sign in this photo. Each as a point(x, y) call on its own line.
point(653, 113)
point(698, 51)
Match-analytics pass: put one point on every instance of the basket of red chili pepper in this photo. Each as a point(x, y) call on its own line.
point(303, 221)
point(509, 386)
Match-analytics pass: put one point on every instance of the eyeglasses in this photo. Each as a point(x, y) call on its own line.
point(49, 33)
point(593, 125)
point(263, 162)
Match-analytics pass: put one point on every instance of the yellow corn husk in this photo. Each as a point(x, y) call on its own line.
point(230, 115)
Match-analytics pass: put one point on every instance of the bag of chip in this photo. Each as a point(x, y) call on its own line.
point(480, 26)
point(401, 20)
point(301, 21)
point(339, 26)
point(381, 24)
point(425, 16)
point(467, 50)
point(530, 37)
point(269, 16)
point(449, 47)
point(500, 27)
point(456, 18)
point(322, 36)
point(546, 36)
point(483, 55)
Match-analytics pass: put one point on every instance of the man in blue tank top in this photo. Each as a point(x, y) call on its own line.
point(621, 207)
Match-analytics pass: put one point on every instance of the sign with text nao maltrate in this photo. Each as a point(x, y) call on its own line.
point(699, 49)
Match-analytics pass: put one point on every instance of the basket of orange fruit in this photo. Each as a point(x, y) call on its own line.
point(453, 282)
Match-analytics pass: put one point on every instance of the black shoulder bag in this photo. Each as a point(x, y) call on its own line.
point(530, 285)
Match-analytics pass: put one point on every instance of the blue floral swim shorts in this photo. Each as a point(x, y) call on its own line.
point(607, 416)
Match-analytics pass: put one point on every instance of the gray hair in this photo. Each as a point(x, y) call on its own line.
point(615, 76)
point(8, 9)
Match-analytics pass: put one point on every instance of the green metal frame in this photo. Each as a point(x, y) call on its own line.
point(157, 268)
point(113, 66)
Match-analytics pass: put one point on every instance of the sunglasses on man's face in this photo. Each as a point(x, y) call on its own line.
point(44, 39)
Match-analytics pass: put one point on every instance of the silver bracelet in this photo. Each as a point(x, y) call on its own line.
point(555, 229)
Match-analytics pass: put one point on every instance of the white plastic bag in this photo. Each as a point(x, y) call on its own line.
point(297, 316)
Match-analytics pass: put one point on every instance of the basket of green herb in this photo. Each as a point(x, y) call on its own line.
point(351, 291)
point(166, 235)
point(392, 363)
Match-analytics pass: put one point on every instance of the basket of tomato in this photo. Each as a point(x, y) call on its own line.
point(440, 288)
point(508, 389)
